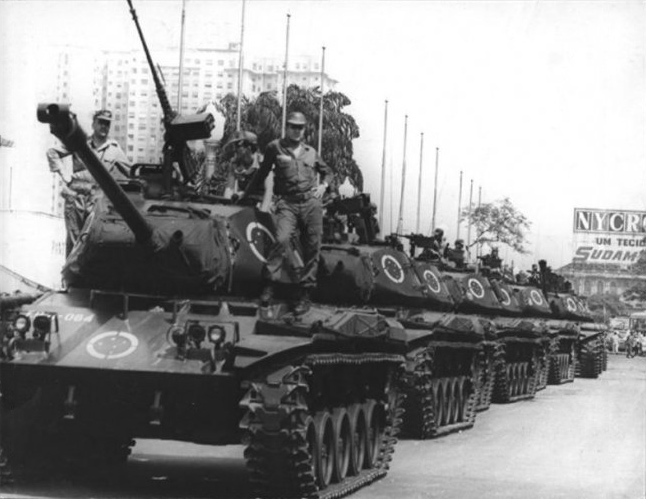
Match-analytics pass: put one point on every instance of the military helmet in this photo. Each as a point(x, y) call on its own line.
point(296, 118)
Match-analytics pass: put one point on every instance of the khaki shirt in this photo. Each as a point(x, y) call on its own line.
point(109, 153)
point(293, 174)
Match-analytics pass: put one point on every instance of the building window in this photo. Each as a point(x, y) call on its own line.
point(599, 286)
point(587, 287)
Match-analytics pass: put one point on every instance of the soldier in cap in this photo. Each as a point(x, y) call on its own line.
point(296, 167)
point(244, 163)
point(80, 190)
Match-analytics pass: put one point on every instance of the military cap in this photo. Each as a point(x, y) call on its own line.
point(243, 136)
point(103, 114)
point(296, 118)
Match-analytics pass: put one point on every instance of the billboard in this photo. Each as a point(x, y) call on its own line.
point(615, 237)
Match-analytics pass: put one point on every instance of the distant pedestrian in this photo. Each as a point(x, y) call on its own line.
point(614, 342)
point(630, 343)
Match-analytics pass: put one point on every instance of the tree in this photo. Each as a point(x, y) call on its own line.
point(607, 305)
point(263, 116)
point(498, 222)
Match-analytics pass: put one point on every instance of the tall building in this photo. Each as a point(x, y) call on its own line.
point(122, 82)
point(128, 89)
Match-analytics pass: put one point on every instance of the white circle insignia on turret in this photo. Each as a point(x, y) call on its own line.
point(571, 306)
point(257, 235)
point(112, 345)
point(432, 281)
point(506, 298)
point(536, 297)
point(392, 269)
point(476, 288)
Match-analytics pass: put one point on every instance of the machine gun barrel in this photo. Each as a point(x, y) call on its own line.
point(161, 91)
point(63, 124)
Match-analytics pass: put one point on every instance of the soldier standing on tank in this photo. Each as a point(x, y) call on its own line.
point(244, 163)
point(80, 189)
point(296, 167)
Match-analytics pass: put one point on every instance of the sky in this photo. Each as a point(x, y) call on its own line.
point(543, 102)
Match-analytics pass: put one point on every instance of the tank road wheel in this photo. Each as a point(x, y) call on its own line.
point(342, 443)
point(375, 430)
point(359, 438)
point(324, 455)
point(447, 388)
point(438, 401)
point(462, 398)
point(513, 379)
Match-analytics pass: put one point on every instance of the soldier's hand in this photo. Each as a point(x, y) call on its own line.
point(264, 207)
point(319, 191)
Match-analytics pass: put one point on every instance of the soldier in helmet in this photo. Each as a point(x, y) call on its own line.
point(244, 163)
point(80, 189)
point(296, 167)
point(456, 254)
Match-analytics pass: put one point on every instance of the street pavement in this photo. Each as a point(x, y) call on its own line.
point(584, 440)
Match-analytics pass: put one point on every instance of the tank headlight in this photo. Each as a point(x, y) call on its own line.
point(197, 333)
point(217, 334)
point(21, 324)
point(42, 326)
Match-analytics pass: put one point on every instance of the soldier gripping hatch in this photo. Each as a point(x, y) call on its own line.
point(80, 189)
point(296, 167)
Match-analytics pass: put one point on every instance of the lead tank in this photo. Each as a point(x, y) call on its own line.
point(164, 350)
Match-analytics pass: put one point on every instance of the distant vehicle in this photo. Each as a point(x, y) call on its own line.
point(637, 322)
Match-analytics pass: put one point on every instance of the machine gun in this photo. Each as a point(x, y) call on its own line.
point(179, 129)
point(360, 215)
point(427, 243)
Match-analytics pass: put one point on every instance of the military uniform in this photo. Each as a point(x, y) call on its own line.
point(295, 178)
point(81, 192)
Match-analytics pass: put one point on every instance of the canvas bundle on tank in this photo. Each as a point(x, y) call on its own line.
point(345, 275)
point(188, 253)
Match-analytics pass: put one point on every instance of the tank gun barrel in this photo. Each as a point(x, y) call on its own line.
point(63, 124)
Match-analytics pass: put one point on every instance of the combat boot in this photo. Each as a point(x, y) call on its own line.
point(302, 304)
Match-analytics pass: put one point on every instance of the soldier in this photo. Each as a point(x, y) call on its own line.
point(296, 167)
point(244, 164)
point(492, 260)
point(80, 190)
point(456, 254)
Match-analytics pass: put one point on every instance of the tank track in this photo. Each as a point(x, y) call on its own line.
point(488, 359)
point(543, 366)
point(590, 359)
point(516, 380)
point(306, 437)
point(562, 367)
point(437, 405)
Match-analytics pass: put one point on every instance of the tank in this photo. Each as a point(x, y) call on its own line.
point(445, 346)
point(157, 336)
point(591, 352)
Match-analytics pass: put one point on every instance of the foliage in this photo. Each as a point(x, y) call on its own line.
point(636, 292)
point(607, 304)
point(639, 267)
point(263, 116)
point(498, 222)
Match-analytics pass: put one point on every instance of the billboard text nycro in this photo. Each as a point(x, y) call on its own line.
point(616, 237)
point(612, 221)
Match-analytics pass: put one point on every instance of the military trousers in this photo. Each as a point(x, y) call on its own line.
point(77, 209)
point(307, 217)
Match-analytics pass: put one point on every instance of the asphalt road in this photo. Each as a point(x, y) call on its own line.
point(585, 440)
